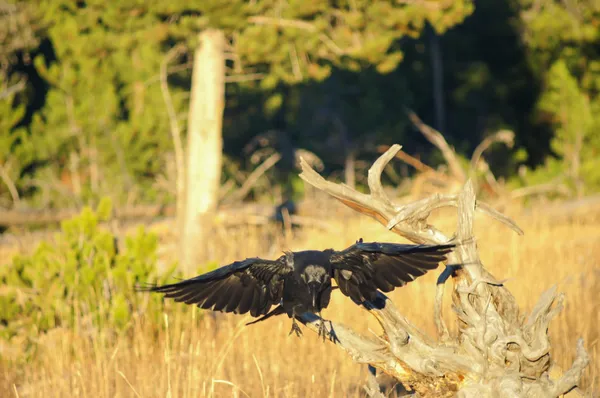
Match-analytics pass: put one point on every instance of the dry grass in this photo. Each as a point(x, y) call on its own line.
point(221, 357)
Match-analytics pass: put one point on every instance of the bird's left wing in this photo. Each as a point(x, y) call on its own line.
point(252, 285)
point(363, 268)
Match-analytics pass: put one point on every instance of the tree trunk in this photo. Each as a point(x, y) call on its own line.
point(437, 67)
point(350, 169)
point(204, 145)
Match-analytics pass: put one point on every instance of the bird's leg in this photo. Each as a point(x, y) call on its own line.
point(295, 327)
point(322, 328)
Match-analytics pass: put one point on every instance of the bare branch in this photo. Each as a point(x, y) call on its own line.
point(298, 24)
point(438, 317)
point(487, 209)
point(170, 71)
point(14, 193)
point(175, 133)
point(295, 61)
point(428, 4)
point(572, 376)
point(408, 220)
point(374, 177)
point(437, 139)
point(505, 136)
point(286, 23)
point(15, 88)
point(243, 78)
point(490, 178)
point(408, 159)
point(372, 388)
point(253, 178)
point(310, 157)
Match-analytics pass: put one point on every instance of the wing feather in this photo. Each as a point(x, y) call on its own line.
point(224, 294)
point(257, 303)
point(246, 301)
point(383, 282)
point(364, 268)
point(394, 278)
point(252, 285)
point(212, 297)
point(189, 295)
point(234, 299)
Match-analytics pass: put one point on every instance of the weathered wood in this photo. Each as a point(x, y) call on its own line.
point(204, 145)
point(249, 183)
point(437, 139)
point(496, 352)
point(506, 137)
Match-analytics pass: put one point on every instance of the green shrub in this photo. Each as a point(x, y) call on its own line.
point(574, 114)
point(82, 280)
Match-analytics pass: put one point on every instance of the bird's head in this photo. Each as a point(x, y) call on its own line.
point(315, 277)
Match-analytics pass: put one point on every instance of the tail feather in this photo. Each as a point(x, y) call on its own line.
point(277, 311)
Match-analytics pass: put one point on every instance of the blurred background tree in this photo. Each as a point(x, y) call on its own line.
point(562, 42)
point(18, 36)
point(83, 113)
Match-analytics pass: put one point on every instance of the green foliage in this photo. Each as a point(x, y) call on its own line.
point(18, 36)
point(81, 280)
point(576, 120)
point(563, 48)
point(556, 30)
point(552, 171)
point(99, 121)
point(102, 122)
point(302, 40)
point(341, 69)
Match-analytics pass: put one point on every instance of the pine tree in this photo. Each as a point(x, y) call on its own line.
point(562, 43)
point(293, 43)
point(18, 36)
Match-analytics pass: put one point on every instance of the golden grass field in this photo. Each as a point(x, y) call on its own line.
point(222, 358)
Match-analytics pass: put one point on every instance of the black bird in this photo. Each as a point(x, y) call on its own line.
point(301, 282)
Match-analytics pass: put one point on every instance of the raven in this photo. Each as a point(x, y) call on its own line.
point(299, 282)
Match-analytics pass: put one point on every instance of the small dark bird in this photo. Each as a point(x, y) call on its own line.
point(301, 282)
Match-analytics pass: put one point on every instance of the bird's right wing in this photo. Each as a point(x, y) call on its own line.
point(252, 285)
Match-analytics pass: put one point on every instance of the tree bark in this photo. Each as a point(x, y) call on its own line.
point(204, 145)
point(437, 68)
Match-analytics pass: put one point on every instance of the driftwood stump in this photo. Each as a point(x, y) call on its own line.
point(497, 352)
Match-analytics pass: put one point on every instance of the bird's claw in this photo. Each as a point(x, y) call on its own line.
point(322, 329)
point(332, 336)
point(296, 329)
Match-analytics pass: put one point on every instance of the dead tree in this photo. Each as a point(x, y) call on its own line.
point(204, 146)
point(496, 353)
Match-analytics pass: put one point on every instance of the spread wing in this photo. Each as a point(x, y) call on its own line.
point(363, 268)
point(251, 285)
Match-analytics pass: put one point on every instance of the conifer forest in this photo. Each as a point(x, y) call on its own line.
point(145, 141)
